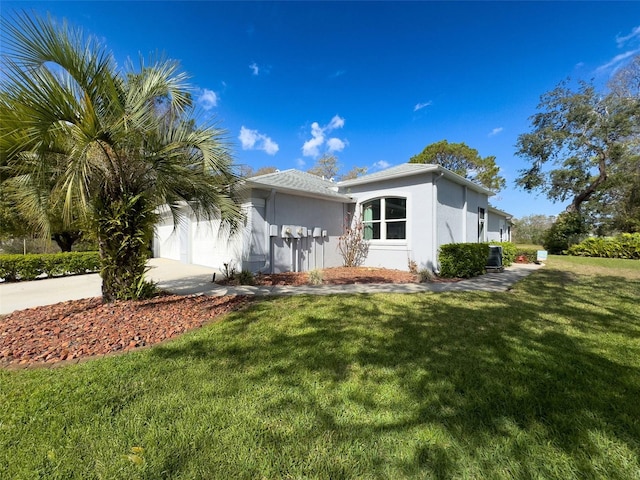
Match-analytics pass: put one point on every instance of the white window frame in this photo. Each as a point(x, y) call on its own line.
point(383, 222)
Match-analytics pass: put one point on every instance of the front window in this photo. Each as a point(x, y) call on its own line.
point(385, 219)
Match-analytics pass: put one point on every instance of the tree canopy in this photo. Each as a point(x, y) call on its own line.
point(109, 145)
point(583, 148)
point(327, 166)
point(463, 160)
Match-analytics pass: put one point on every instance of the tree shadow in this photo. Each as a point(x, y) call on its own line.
point(481, 366)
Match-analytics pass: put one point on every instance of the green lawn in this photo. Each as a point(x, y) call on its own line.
point(539, 382)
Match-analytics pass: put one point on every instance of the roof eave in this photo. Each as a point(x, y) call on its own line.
point(341, 198)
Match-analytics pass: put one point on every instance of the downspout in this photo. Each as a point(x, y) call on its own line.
point(434, 230)
point(270, 214)
point(464, 216)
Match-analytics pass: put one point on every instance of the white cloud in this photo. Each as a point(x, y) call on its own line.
point(336, 122)
point(311, 148)
point(381, 165)
point(420, 106)
point(208, 99)
point(254, 140)
point(621, 41)
point(270, 146)
point(255, 70)
point(335, 145)
point(615, 61)
point(496, 131)
point(337, 73)
point(301, 163)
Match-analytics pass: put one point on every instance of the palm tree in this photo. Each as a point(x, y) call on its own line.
point(117, 144)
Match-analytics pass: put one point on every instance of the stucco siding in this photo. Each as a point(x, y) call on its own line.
point(450, 216)
point(306, 252)
point(418, 244)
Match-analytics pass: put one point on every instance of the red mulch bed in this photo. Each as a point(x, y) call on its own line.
point(70, 331)
point(339, 276)
point(79, 329)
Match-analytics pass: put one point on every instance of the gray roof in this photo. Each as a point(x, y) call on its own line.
point(402, 170)
point(300, 183)
point(408, 169)
point(507, 215)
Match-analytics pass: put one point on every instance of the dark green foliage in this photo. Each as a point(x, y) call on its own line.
point(509, 252)
point(245, 277)
point(582, 149)
point(626, 245)
point(463, 260)
point(570, 228)
point(531, 254)
point(29, 267)
point(463, 160)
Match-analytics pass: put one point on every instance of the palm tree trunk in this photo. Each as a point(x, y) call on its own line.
point(125, 228)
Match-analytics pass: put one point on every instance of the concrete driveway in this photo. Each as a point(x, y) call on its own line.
point(170, 275)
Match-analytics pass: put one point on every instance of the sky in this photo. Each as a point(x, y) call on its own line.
point(372, 83)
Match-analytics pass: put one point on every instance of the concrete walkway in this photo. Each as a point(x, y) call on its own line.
point(183, 279)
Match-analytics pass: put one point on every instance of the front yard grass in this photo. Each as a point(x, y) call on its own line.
point(539, 382)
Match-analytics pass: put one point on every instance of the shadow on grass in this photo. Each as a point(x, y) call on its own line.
point(553, 361)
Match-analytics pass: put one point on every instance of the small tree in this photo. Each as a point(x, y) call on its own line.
point(463, 160)
point(352, 245)
point(326, 166)
point(570, 228)
point(531, 229)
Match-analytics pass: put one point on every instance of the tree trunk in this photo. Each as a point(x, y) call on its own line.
point(583, 196)
point(125, 228)
point(65, 240)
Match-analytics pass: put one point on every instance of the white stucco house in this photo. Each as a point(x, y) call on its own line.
point(294, 220)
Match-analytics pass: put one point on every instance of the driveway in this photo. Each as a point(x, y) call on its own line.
point(170, 275)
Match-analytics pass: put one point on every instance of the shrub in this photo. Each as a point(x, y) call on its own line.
point(28, 267)
point(463, 260)
point(425, 276)
point(413, 266)
point(531, 254)
point(626, 245)
point(509, 251)
point(229, 271)
point(245, 277)
point(569, 229)
point(351, 244)
point(315, 277)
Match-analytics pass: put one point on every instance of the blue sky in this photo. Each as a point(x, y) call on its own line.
point(371, 82)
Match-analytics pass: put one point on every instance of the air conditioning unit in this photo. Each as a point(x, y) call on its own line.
point(494, 262)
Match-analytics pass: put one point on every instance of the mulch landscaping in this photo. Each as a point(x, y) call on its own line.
point(79, 329)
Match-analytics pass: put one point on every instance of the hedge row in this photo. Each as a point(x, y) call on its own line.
point(531, 254)
point(463, 260)
point(29, 267)
point(625, 245)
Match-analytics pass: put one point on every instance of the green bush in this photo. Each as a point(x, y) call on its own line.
point(569, 229)
point(626, 245)
point(245, 277)
point(28, 267)
point(531, 254)
point(463, 260)
point(509, 252)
